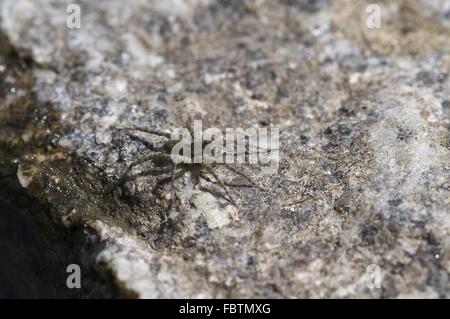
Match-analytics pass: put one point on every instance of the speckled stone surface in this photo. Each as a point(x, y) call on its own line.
point(364, 119)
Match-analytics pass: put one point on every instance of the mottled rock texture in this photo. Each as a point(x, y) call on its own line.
point(364, 176)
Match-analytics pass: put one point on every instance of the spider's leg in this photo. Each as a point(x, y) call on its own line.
point(300, 201)
point(215, 193)
point(174, 176)
point(209, 180)
point(242, 174)
point(144, 142)
point(127, 178)
point(144, 130)
point(143, 160)
point(157, 188)
point(211, 171)
point(154, 171)
point(206, 178)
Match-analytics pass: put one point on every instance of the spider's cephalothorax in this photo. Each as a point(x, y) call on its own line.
point(162, 162)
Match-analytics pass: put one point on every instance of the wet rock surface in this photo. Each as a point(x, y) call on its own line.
point(364, 135)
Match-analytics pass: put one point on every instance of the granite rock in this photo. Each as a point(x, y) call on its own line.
point(364, 176)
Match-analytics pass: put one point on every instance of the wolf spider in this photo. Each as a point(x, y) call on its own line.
point(163, 164)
